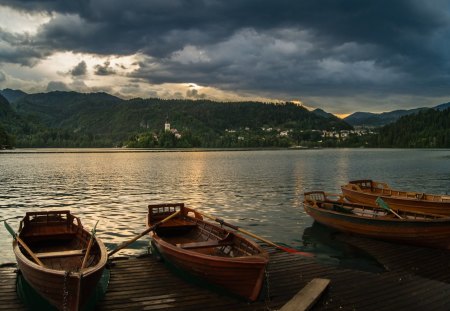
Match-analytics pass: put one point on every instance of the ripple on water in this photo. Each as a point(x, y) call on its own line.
point(260, 191)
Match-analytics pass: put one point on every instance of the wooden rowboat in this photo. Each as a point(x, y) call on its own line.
point(416, 228)
point(50, 249)
point(367, 191)
point(208, 251)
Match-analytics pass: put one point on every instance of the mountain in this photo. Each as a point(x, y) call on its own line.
point(374, 119)
point(442, 106)
point(428, 128)
point(7, 116)
point(56, 108)
point(378, 119)
point(103, 120)
point(12, 95)
point(5, 108)
point(323, 113)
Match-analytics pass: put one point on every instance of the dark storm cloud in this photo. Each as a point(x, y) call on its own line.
point(20, 49)
point(193, 93)
point(284, 48)
point(104, 70)
point(80, 69)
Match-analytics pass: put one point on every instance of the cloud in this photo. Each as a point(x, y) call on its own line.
point(20, 48)
point(2, 76)
point(80, 69)
point(57, 86)
point(284, 49)
point(193, 93)
point(104, 70)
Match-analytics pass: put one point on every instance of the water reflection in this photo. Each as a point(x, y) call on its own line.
point(261, 191)
point(321, 240)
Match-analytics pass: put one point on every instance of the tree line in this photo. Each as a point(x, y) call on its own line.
point(69, 119)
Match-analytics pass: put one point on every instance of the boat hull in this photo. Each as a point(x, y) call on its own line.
point(241, 276)
point(396, 199)
point(224, 265)
point(429, 233)
point(64, 287)
point(59, 290)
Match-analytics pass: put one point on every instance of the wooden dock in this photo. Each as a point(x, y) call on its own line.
point(415, 279)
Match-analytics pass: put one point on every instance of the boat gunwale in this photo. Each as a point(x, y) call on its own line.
point(196, 220)
point(348, 187)
point(103, 257)
point(440, 219)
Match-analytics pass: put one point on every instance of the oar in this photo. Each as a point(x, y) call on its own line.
point(286, 249)
point(385, 206)
point(88, 250)
point(140, 235)
point(24, 245)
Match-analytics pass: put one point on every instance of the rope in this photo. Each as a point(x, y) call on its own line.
point(267, 298)
point(65, 290)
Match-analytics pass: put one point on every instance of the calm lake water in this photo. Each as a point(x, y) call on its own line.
point(261, 191)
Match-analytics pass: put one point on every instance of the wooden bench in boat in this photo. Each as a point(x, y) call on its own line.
point(226, 241)
point(76, 252)
point(177, 222)
point(53, 231)
point(205, 244)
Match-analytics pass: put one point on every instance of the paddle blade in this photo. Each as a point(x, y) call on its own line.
point(382, 204)
point(10, 230)
point(295, 251)
point(94, 230)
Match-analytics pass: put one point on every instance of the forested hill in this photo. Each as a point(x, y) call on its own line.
point(381, 119)
point(7, 117)
point(70, 119)
point(5, 109)
point(101, 120)
point(429, 128)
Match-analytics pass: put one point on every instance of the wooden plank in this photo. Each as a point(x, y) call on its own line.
point(146, 284)
point(76, 252)
point(204, 244)
point(307, 296)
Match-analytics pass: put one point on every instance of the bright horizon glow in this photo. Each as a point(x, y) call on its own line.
point(341, 115)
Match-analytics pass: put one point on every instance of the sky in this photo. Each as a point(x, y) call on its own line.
point(340, 56)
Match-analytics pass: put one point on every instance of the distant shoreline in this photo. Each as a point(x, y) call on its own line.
point(171, 150)
point(131, 150)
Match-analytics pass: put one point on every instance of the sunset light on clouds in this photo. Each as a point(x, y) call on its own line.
point(341, 56)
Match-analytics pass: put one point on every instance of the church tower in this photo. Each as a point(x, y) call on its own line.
point(167, 125)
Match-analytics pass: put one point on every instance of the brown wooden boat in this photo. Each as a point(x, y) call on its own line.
point(50, 248)
point(416, 228)
point(208, 251)
point(366, 191)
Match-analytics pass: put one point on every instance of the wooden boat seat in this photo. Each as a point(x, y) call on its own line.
point(205, 244)
point(56, 235)
point(54, 231)
point(336, 208)
point(177, 222)
point(76, 252)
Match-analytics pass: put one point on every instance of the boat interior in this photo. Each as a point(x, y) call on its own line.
point(383, 189)
point(57, 239)
point(325, 201)
point(189, 232)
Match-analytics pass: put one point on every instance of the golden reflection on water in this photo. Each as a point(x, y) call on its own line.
point(261, 191)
